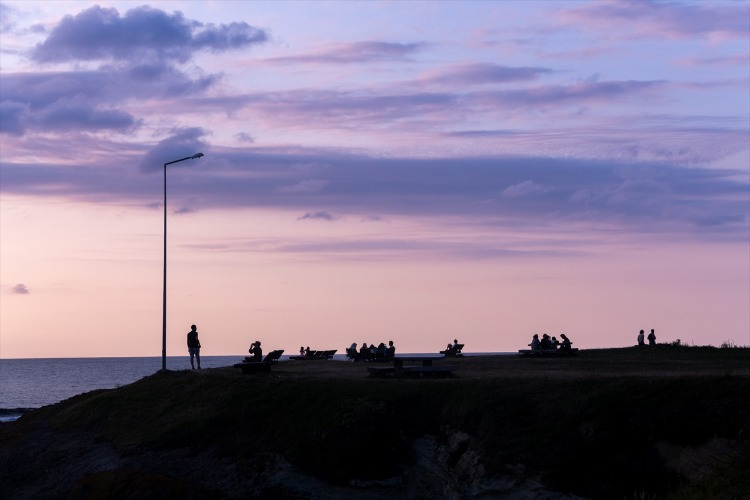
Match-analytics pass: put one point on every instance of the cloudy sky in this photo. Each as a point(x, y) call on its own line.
point(373, 171)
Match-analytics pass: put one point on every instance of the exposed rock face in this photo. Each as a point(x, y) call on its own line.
point(695, 462)
point(50, 464)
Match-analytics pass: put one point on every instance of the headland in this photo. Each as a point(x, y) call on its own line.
point(641, 422)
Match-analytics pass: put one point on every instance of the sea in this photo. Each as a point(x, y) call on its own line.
point(27, 384)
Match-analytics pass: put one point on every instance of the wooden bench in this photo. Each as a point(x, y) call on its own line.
point(315, 355)
point(453, 351)
point(548, 352)
point(251, 366)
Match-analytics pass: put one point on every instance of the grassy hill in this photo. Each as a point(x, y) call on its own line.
point(654, 422)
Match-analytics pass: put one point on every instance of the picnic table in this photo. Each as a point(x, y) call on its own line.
point(425, 368)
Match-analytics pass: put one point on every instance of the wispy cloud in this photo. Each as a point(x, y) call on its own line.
point(483, 73)
point(317, 216)
point(352, 53)
point(662, 19)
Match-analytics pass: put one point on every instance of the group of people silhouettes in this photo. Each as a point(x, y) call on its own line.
point(550, 343)
point(371, 352)
point(651, 338)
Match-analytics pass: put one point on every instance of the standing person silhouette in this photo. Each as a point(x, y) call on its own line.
point(652, 338)
point(194, 346)
point(640, 338)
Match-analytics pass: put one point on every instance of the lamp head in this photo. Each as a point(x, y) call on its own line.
point(196, 155)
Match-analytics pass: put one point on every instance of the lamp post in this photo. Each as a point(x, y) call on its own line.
point(164, 295)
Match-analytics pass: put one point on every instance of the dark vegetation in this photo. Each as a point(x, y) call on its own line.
point(664, 422)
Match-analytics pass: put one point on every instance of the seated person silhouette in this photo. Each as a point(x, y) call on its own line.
point(364, 351)
point(456, 347)
point(381, 351)
point(535, 345)
point(566, 343)
point(256, 351)
point(545, 343)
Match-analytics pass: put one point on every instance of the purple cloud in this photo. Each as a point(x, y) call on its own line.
point(20, 289)
point(142, 33)
point(357, 52)
point(483, 73)
point(581, 92)
point(6, 17)
point(79, 114)
point(703, 202)
point(12, 117)
point(525, 188)
point(87, 100)
point(182, 143)
point(664, 19)
point(317, 216)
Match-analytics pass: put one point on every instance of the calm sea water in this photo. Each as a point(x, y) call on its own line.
point(33, 383)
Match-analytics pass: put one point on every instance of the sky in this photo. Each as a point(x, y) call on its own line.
point(372, 171)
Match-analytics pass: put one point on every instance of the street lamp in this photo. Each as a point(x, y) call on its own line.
point(164, 296)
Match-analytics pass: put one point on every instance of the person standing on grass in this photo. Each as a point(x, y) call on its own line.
point(194, 346)
point(652, 338)
point(640, 338)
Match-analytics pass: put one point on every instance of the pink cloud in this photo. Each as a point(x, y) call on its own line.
point(626, 18)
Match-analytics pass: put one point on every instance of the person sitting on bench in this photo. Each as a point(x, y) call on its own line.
point(566, 343)
point(545, 343)
point(256, 351)
point(456, 347)
point(535, 343)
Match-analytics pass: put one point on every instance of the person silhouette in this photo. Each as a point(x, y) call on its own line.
point(566, 343)
point(535, 342)
point(391, 351)
point(194, 346)
point(652, 338)
point(640, 338)
point(256, 351)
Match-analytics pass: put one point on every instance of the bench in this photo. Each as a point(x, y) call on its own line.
point(251, 366)
point(548, 352)
point(453, 351)
point(314, 355)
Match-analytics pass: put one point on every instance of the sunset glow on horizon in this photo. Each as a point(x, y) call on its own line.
point(373, 171)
